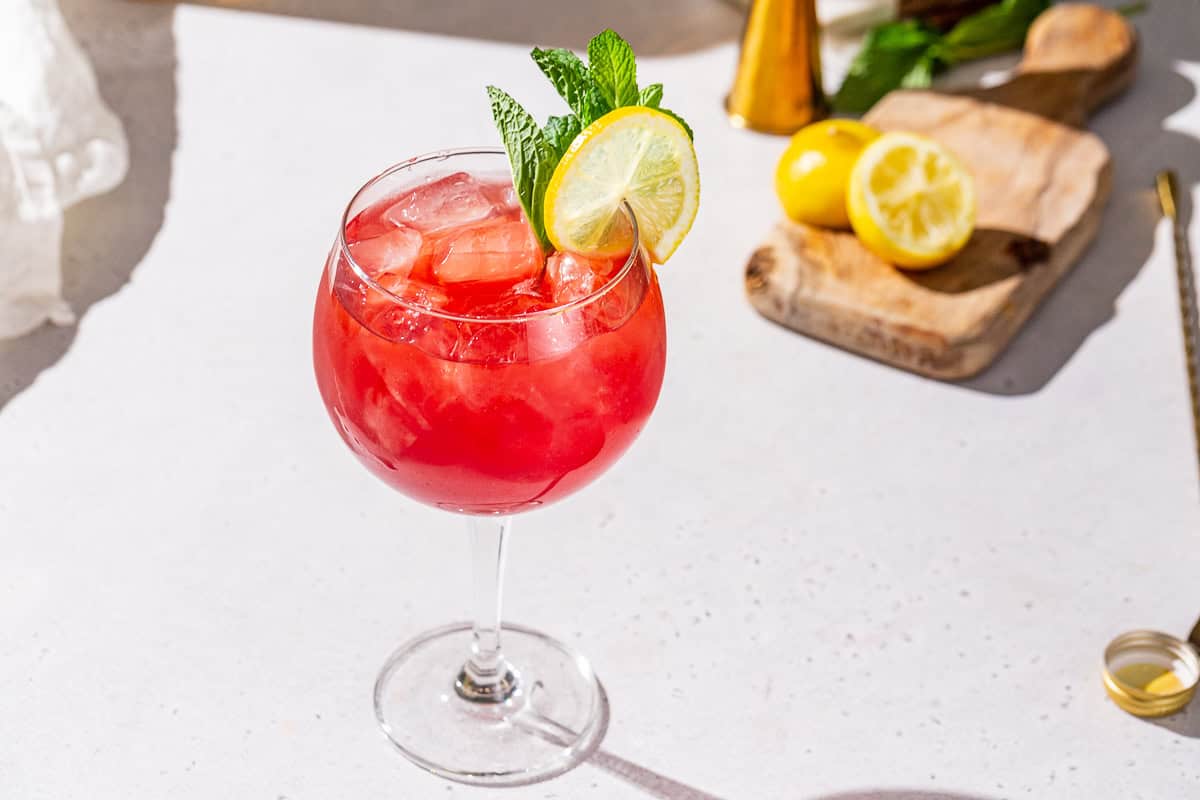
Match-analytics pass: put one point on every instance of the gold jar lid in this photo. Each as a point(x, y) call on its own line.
point(1150, 674)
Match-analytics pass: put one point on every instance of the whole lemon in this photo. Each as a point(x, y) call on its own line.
point(814, 172)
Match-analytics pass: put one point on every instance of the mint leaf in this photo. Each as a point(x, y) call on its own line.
point(995, 29)
point(530, 155)
point(680, 120)
point(650, 96)
point(889, 53)
point(560, 132)
point(612, 66)
point(572, 81)
point(920, 76)
point(595, 107)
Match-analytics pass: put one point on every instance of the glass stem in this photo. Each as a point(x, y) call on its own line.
point(487, 677)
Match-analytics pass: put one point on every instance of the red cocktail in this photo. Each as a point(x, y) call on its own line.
point(466, 369)
point(472, 371)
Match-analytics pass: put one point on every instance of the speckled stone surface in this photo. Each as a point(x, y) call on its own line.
point(814, 577)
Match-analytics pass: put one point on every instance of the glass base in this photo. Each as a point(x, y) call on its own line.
point(552, 721)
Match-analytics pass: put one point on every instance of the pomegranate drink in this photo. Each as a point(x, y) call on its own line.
point(468, 370)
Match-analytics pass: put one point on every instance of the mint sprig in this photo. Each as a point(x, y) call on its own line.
point(607, 82)
point(909, 53)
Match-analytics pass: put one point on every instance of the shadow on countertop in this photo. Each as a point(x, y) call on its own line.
point(650, 782)
point(1185, 723)
point(660, 786)
point(653, 28)
point(664, 788)
point(897, 794)
point(1135, 129)
point(132, 49)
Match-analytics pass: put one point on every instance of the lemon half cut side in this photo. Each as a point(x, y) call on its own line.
point(911, 201)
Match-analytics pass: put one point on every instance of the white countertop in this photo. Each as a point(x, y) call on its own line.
point(813, 576)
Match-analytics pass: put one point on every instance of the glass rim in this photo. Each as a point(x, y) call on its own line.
point(443, 155)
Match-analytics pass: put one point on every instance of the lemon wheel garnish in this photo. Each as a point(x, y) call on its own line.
point(910, 201)
point(636, 155)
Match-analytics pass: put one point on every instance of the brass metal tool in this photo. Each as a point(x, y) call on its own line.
point(777, 88)
point(1149, 673)
point(1166, 185)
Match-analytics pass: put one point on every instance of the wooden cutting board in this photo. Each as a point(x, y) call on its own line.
point(1041, 184)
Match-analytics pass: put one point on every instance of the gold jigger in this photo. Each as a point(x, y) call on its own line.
point(777, 88)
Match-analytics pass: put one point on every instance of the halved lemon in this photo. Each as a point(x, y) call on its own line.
point(634, 154)
point(910, 201)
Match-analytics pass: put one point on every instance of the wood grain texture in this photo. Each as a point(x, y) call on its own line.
point(1042, 186)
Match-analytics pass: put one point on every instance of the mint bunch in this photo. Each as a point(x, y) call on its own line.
point(607, 82)
point(909, 53)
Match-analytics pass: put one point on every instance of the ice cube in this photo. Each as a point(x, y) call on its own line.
point(511, 303)
point(503, 197)
point(364, 227)
point(448, 202)
point(394, 252)
point(501, 251)
point(552, 335)
point(571, 276)
point(414, 291)
point(404, 286)
point(530, 287)
point(494, 343)
point(407, 322)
